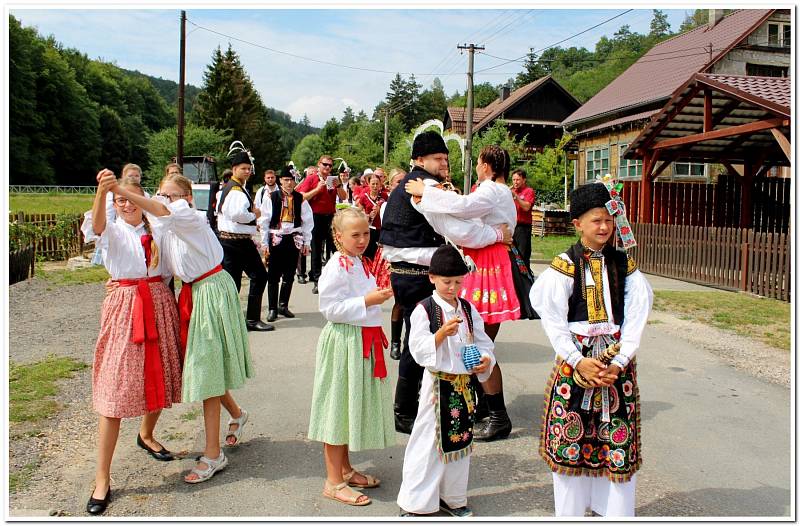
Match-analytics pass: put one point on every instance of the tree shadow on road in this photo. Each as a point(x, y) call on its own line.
point(763, 501)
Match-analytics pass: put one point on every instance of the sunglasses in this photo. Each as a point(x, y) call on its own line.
point(329, 165)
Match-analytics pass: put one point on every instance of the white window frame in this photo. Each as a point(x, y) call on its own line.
point(590, 158)
point(781, 32)
point(690, 175)
point(627, 164)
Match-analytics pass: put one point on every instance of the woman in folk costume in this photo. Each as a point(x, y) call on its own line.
point(594, 304)
point(213, 331)
point(137, 364)
point(447, 338)
point(370, 202)
point(351, 407)
point(492, 288)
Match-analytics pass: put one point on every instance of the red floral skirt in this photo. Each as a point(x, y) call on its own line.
point(380, 269)
point(491, 287)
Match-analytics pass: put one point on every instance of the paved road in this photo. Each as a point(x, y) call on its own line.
point(716, 442)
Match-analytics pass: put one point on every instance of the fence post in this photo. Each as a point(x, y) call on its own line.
point(745, 277)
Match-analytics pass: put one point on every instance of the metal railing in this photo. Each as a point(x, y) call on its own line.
point(55, 189)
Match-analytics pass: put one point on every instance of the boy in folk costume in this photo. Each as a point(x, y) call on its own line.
point(594, 304)
point(436, 464)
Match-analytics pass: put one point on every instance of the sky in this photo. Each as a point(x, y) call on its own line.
point(385, 41)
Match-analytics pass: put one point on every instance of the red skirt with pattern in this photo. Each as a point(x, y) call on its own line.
point(118, 370)
point(491, 287)
point(380, 269)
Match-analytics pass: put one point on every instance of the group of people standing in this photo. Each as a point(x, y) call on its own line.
point(457, 268)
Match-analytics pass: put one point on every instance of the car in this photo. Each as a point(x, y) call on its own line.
point(202, 171)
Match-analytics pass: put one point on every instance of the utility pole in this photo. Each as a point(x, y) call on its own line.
point(385, 136)
point(467, 161)
point(181, 85)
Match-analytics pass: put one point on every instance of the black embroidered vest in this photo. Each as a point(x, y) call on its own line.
point(585, 298)
point(232, 184)
point(277, 207)
point(402, 225)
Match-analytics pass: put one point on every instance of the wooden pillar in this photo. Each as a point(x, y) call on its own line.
point(746, 214)
point(645, 194)
point(707, 112)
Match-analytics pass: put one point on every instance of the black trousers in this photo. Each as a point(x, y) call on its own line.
point(522, 238)
point(321, 240)
point(241, 255)
point(301, 266)
point(372, 247)
point(282, 264)
point(408, 291)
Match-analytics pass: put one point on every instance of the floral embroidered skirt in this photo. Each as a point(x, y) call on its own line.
point(118, 369)
point(491, 287)
point(349, 405)
point(576, 441)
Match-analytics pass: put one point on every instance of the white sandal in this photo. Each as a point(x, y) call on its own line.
point(213, 466)
point(237, 434)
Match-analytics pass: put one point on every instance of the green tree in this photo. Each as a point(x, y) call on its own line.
point(348, 118)
point(698, 18)
point(659, 25)
point(197, 140)
point(483, 94)
point(532, 70)
point(432, 102)
point(329, 135)
point(308, 151)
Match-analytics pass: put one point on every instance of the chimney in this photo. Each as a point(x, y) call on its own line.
point(505, 91)
point(714, 16)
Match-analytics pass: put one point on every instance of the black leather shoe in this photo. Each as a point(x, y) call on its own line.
point(496, 427)
point(98, 506)
point(284, 311)
point(394, 353)
point(302, 280)
point(259, 325)
point(272, 315)
point(403, 424)
point(164, 455)
point(314, 289)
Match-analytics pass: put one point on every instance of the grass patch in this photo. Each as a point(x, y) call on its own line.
point(191, 415)
point(79, 276)
point(763, 319)
point(32, 386)
point(18, 479)
point(548, 247)
point(654, 322)
point(52, 203)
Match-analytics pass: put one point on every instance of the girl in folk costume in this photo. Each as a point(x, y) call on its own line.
point(492, 288)
point(370, 202)
point(351, 407)
point(594, 304)
point(437, 458)
point(213, 331)
point(137, 367)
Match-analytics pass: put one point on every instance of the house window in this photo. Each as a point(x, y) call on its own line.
point(689, 170)
point(628, 169)
point(596, 163)
point(763, 70)
point(779, 35)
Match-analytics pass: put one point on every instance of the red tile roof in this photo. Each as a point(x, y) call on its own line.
point(459, 119)
point(668, 64)
point(776, 90)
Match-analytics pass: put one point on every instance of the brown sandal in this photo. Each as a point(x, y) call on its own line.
point(331, 492)
point(372, 482)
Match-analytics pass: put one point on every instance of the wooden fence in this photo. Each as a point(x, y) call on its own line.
point(21, 264)
point(53, 247)
point(733, 258)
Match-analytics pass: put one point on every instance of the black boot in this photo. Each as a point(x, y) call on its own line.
point(272, 315)
point(394, 353)
point(405, 405)
point(498, 425)
point(283, 305)
point(482, 407)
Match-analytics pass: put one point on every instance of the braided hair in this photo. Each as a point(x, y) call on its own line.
point(498, 160)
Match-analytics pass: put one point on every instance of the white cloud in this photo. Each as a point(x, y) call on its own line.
point(320, 108)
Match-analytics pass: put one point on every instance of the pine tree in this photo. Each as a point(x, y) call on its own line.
point(532, 70)
point(659, 25)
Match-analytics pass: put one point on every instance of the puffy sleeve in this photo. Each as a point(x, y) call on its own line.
point(237, 208)
point(477, 204)
point(550, 298)
point(421, 341)
point(638, 302)
point(335, 302)
point(266, 217)
point(483, 342)
point(102, 240)
point(182, 218)
point(111, 212)
point(307, 222)
point(463, 232)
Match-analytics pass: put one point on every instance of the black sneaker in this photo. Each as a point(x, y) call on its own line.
point(314, 289)
point(463, 511)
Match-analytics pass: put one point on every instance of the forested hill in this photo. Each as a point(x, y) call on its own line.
point(168, 89)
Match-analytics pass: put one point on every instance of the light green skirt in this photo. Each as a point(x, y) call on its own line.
point(217, 350)
point(349, 406)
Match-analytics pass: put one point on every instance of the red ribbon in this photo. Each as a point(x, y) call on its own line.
point(374, 338)
point(185, 306)
point(145, 331)
point(146, 239)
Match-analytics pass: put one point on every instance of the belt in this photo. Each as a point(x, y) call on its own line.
point(145, 331)
point(185, 306)
point(374, 340)
point(234, 235)
point(408, 269)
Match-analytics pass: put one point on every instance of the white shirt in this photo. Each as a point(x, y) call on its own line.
point(342, 291)
point(286, 227)
point(264, 190)
point(111, 212)
point(550, 298)
point(188, 245)
point(121, 247)
point(491, 202)
point(235, 213)
point(447, 357)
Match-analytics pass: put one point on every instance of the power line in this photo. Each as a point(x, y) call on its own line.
point(514, 20)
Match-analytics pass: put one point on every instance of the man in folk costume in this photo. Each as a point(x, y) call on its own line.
point(237, 224)
point(594, 304)
point(409, 241)
point(286, 224)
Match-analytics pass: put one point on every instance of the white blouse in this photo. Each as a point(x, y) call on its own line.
point(491, 202)
point(188, 244)
point(550, 298)
point(342, 287)
point(286, 227)
point(120, 245)
point(447, 357)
